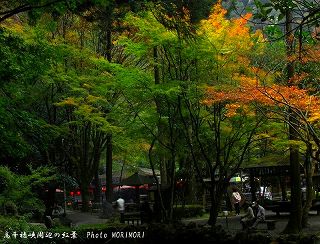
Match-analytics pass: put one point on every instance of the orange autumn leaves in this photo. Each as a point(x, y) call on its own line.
point(226, 35)
point(274, 96)
point(233, 38)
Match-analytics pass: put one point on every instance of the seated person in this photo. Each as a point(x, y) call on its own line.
point(260, 214)
point(248, 219)
point(57, 210)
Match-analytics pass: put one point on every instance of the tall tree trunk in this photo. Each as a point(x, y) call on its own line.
point(109, 43)
point(159, 204)
point(109, 190)
point(191, 187)
point(163, 169)
point(84, 188)
point(156, 66)
point(309, 187)
point(294, 223)
point(161, 126)
point(172, 185)
point(108, 21)
point(216, 192)
point(283, 187)
point(97, 189)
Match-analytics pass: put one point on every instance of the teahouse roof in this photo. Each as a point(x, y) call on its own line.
point(270, 165)
point(268, 161)
point(137, 180)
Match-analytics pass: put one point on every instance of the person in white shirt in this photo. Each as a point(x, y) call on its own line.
point(120, 207)
point(260, 214)
point(120, 203)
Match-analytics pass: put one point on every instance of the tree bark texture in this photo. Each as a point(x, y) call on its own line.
point(294, 223)
point(309, 195)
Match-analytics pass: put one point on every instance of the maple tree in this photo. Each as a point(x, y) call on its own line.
point(296, 31)
point(215, 57)
point(290, 100)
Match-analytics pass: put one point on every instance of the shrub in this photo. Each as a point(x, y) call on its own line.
point(187, 211)
point(17, 189)
point(10, 208)
point(16, 224)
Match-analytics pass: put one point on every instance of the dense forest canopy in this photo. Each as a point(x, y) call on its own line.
point(194, 89)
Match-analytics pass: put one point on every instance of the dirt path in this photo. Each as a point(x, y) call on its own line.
point(233, 225)
point(80, 218)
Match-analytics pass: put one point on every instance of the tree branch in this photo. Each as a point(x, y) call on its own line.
point(24, 8)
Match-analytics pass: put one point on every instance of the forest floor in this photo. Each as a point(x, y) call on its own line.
point(231, 224)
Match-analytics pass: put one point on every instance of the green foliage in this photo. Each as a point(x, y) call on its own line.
point(11, 141)
point(19, 189)
point(149, 29)
point(18, 224)
point(273, 32)
point(198, 10)
point(25, 63)
point(10, 208)
point(20, 56)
